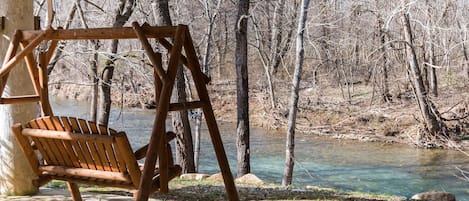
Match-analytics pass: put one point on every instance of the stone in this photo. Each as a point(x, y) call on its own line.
point(194, 176)
point(216, 177)
point(434, 196)
point(249, 179)
point(317, 188)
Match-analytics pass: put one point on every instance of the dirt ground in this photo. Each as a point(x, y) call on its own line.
point(201, 190)
point(325, 111)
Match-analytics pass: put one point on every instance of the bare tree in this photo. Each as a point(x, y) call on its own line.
point(93, 68)
point(434, 126)
point(290, 140)
point(123, 13)
point(242, 88)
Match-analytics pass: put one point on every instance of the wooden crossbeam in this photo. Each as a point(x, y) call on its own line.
point(102, 33)
point(20, 99)
point(185, 106)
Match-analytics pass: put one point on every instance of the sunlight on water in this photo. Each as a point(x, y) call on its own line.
point(344, 165)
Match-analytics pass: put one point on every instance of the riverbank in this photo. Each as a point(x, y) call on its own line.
point(324, 110)
point(203, 190)
point(327, 111)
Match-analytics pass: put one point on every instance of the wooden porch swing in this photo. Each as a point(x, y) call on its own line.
point(78, 151)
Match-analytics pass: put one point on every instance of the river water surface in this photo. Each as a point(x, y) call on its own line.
point(340, 164)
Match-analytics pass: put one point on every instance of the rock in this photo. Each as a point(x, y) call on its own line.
point(194, 176)
point(317, 188)
point(250, 179)
point(434, 196)
point(216, 177)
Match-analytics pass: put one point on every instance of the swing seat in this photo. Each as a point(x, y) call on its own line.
point(79, 151)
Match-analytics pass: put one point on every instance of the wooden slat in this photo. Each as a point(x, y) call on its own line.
point(57, 145)
point(91, 146)
point(20, 99)
point(113, 158)
point(74, 143)
point(82, 172)
point(102, 33)
point(83, 146)
point(109, 147)
point(87, 180)
point(71, 154)
point(43, 148)
point(65, 135)
point(45, 145)
point(100, 147)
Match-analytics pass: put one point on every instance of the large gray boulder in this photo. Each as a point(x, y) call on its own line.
point(434, 196)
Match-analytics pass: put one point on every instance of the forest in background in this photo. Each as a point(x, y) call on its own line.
point(355, 78)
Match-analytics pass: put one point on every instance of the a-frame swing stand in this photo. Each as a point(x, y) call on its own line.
point(181, 51)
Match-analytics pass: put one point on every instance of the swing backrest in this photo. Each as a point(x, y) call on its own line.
point(80, 150)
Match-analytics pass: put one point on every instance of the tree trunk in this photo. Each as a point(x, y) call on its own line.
point(180, 119)
point(466, 58)
point(432, 79)
point(222, 46)
point(123, 14)
point(386, 96)
point(464, 49)
point(94, 81)
point(277, 34)
point(426, 107)
point(181, 126)
point(93, 70)
point(242, 88)
point(15, 172)
point(290, 141)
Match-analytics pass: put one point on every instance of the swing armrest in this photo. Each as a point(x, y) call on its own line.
point(142, 151)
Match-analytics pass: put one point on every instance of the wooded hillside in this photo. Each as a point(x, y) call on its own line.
point(355, 77)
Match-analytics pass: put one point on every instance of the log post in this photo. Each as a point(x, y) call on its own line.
point(16, 174)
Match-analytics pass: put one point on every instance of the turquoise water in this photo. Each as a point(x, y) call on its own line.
point(345, 165)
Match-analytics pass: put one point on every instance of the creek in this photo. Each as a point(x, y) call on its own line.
point(340, 164)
